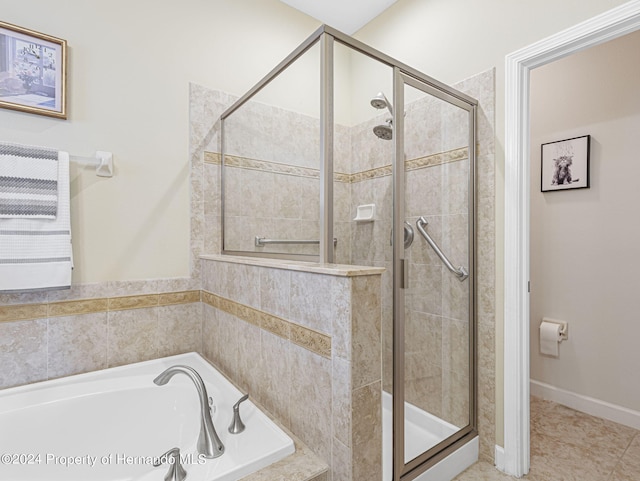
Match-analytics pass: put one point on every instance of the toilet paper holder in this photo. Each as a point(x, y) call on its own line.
point(564, 327)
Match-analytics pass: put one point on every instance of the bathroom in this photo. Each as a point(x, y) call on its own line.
point(124, 246)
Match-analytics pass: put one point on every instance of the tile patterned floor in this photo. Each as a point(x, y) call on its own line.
point(568, 445)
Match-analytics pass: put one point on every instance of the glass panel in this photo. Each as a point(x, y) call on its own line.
point(436, 136)
point(272, 164)
point(362, 161)
point(362, 165)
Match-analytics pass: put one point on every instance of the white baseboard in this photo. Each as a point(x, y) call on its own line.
point(499, 457)
point(586, 404)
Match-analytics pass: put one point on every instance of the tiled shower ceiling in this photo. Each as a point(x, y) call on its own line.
point(348, 16)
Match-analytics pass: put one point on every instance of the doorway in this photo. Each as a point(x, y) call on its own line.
point(611, 24)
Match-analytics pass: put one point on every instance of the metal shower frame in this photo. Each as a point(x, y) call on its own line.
point(402, 75)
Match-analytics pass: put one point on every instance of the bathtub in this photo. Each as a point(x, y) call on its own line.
point(110, 425)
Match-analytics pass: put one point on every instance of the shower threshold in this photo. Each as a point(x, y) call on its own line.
point(423, 431)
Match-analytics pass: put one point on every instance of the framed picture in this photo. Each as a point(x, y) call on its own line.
point(32, 71)
point(565, 164)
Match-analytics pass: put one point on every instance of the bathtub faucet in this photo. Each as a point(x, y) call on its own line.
point(209, 443)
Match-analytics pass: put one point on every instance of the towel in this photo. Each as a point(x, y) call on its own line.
point(35, 254)
point(28, 182)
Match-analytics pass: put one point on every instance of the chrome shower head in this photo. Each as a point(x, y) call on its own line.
point(384, 132)
point(380, 101)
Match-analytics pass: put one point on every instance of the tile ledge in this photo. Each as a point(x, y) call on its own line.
point(338, 270)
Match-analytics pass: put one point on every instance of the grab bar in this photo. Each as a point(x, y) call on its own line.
point(460, 272)
point(263, 241)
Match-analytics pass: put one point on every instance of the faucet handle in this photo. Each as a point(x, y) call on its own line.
point(172, 458)
point(237, 426)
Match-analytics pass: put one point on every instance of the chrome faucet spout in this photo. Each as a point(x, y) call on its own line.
point(209, 444)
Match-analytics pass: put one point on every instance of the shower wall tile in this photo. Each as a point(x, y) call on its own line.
point(317, 300)
point(455, 128)
point(23, 352)
point(423, 383)
point(424, 127)
point(132, 336)
point(342, 232)
point(311, 419)
point(131, 288)
point(286, 192)
point(423, 335)
point(76, 292)
point(342, 211)
point(23, 298)
point(177, 284)
point(77, 344)
point(342, 457)
point(226, 356)
point(424, 191)
point(455, 398)
point(342, 388)
point(365, 331)
point(310, 198)
point(455, 187)
point(425, 288)
point(249, 371)
point(342, 149)
point(179, 329)
point(367, 432)
point(275, 288)
point(275, 383)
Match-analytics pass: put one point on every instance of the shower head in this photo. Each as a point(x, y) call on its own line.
point(384, 132)
point(380, 101)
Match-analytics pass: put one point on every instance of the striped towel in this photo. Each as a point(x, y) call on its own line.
point(35, 254)
point(28, 182)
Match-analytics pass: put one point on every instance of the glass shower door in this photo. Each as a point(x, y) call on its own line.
point(434, 380)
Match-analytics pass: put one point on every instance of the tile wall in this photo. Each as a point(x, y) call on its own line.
point(90, 327)
point(307, 346)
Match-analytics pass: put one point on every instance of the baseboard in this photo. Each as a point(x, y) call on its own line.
point(499, 457)
point(586, 404)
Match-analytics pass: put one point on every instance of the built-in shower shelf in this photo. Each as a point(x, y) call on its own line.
point(365, 213)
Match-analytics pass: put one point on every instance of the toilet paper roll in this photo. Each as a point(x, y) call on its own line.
point(550, 337)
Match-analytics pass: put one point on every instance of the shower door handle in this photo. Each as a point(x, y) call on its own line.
point(404, 274)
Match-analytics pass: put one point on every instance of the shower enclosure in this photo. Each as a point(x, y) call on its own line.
point(342, 154)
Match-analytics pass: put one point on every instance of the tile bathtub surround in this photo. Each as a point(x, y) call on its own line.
point(58, 338)
point(330, 398)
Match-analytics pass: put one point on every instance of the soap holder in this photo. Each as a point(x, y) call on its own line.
point(365, 213)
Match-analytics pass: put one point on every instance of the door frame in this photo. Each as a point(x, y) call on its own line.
point(514, 460)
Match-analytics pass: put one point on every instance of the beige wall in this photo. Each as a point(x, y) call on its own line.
point(130, 64)
point(584, 243)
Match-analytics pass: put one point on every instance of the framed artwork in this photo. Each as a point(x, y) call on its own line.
point(565, 164)
point(32, 71)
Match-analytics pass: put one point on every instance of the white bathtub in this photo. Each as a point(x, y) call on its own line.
point(108, 425)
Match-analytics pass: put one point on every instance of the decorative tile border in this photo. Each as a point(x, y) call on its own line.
point(310, 339)
point(386, 170)
point(21, 312)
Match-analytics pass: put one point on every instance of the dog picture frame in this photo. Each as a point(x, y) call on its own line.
point(32, 71)
point(565, 164)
